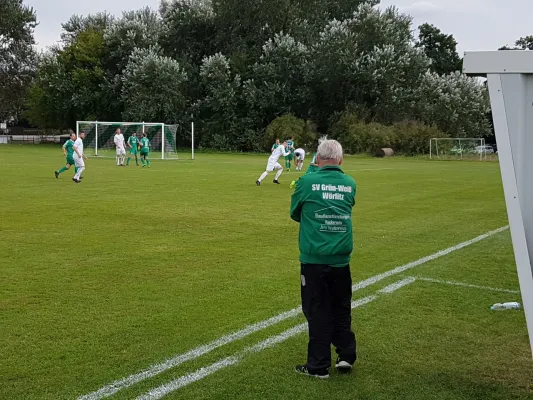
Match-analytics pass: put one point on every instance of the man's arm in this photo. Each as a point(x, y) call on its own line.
point(64, 149)
point(80, 155)
point(297, 202)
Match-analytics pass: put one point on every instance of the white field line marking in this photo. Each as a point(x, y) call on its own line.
point(467, 285)
point(163, 390)
point(155, 369)
point(395, 286)
point(423, 260)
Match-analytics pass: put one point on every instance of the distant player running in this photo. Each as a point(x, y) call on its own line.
point(133, 142)
point(79, 157)
point(121, 150)
point(299, 157)
point(275, 146)
point(273, 163)
point(289, 158)
point(145, 151)
point(68, 151)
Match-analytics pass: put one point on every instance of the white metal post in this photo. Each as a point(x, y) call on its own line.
point(192, 140)
point(96, 139)
point(510, 82)
point(162, 141)
point(77, 130)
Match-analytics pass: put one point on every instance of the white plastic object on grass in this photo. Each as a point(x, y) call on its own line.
point(512, 305)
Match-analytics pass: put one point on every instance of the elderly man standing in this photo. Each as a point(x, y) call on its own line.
point(322, 203)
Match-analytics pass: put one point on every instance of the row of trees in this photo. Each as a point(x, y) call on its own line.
point(234, 66)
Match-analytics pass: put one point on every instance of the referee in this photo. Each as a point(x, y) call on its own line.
point(322, 203)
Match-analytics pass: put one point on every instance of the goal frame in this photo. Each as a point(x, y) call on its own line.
point(144, 125)
point(482, 155)
point(510, 82)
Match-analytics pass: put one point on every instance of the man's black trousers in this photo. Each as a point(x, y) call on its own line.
point(326, 303)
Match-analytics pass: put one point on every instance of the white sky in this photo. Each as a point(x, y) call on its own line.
point(476, 24)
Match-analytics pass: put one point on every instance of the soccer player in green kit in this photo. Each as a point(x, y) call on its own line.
point(290, 147)
point(68, 151)
point(275, 146)
point(145, 151)
point(133, 142)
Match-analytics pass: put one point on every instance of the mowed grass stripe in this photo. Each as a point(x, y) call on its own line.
point(105, 278)
point(114, 387)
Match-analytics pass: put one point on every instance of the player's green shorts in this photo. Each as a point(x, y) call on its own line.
point(70, 160)
point(133, 151)
point(290, 157)
point(145, 153)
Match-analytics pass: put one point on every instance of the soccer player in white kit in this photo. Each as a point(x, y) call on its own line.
point(273, 163)
point(121, 149)
point(299, 155)
point(79, 157)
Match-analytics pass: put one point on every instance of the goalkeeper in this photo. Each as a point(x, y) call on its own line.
point(145, 151)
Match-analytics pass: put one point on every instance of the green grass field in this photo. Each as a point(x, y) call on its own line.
point(101, 280)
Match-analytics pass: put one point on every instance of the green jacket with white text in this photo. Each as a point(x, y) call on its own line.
point(322, 203)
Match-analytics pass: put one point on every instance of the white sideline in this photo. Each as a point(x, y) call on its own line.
point(155, 369)
point(163, 390)
point(467, 285)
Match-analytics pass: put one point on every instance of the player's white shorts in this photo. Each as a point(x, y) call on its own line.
point(299, 154)
point(121, 151)
point(78, 162)
point(273, 166)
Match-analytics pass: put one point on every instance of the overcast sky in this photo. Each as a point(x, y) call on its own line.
point(476, 24)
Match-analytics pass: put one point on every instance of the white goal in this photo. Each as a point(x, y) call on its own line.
point(164, 139)
point(459, 148)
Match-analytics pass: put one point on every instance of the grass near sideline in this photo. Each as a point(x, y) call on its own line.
point(100, 280)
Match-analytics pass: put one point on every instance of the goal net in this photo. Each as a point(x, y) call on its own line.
point(163, 138)
point(459, 149)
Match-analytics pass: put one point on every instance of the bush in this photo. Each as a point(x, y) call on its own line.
point(412, 137)
point(285, 127)
point(359, 137)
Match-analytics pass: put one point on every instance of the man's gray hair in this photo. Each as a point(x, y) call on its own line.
point(329, 150)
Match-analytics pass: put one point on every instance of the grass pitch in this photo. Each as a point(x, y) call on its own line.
point(134, 266)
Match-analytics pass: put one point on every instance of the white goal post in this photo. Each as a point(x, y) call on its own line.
point(459, 148)
point(163, 138)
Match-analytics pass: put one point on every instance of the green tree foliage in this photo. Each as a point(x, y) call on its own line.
point(68, 85)
point(17, 57)
point(242, 68)
point(281, 79)
point(458, 105)
point(78, 24)
point(440, 48)
point(346, 54)
point(188, 30)
point(218, 109)
point(524, 43)
point(47, 102)
point(152, 87)
point(285, 127)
